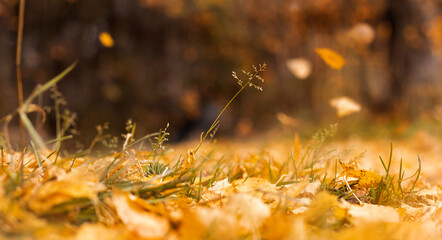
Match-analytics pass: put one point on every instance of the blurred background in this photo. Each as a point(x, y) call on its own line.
point(159, 62)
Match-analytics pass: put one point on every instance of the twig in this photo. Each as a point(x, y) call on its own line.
point(349, 189)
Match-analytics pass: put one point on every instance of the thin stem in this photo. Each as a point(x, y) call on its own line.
point(21, 15)
point(216, 121)
point(219, 115)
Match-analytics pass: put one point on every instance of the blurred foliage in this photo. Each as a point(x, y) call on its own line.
point(161, 61)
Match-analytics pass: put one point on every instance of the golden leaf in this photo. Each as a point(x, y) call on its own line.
point(331, 58)
point(53, 193)
point(106, 39)
point(187, 163)
point(364, 179)
point(368, 213)
point(146, 224)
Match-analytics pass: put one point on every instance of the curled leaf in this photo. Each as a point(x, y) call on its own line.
point(146, 224)
point(187, 163)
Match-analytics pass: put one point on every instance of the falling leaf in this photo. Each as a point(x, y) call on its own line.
point(362, 33)
point(300, 67)
point(286, 119)
point(106, 39)
point(345, 106)
point(331, 58)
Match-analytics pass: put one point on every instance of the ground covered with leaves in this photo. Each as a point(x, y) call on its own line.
point(280, 189)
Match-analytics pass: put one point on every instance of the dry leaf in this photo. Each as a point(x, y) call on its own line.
point(331, 58)
point(311, 188)
point(203, 222)
point(325, 211)
point(250, 211)
point(187, 163)
point(220, 187)
point(53, 193)
point(91, 231)
point(144, 223)
point(284, 226)
point(300, 67)
point(106, 39)
point(368, 213)
point(258, 187)
point(364, 179)
point(345, 106)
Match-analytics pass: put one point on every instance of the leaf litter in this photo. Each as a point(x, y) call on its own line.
point(198, 199)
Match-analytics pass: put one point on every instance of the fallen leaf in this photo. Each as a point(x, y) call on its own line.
point(220, 187)
point(203, 222)
point(369, 213)
point(144, 223)
point(258, 187)
point(249, 210)
point(187, 163)
point(300, 67)
point(324, 211)
point(91, 231)
point(53, 193)
point(331, 58)
point(345, 106)
point(311, 188)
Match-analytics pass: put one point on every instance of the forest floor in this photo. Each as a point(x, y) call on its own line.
point(253, 189)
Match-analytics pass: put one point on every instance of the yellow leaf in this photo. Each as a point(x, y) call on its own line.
point(187, 163)
point(368, 213)
point(53, 193)
point(106, 39)
point(345, 106)
point(146, 224)
point(331, 58)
